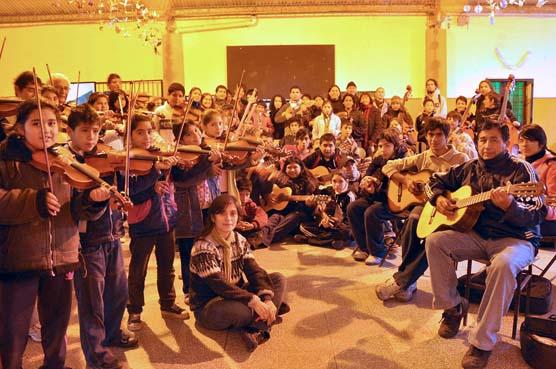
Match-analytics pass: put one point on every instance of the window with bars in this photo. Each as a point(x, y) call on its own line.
point(521, 97)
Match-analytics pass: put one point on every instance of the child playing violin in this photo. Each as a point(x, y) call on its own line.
point(195, 189)
point(151, 225)
point(40, 239)
point(101, 287)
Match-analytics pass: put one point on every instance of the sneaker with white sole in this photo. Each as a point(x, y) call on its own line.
point(387, 290)
point(373, 260)
point(407, 294)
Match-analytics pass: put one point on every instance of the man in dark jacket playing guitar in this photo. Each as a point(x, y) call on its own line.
point(506, 233)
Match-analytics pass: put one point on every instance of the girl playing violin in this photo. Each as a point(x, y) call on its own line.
point(195, 189)
point(206, 102)
point(112, 126)
point(102, 285)
point(40, 239)
point(221, 260)
point(151, 225)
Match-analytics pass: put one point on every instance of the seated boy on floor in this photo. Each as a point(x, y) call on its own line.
point(251, 217)
point(330, 226)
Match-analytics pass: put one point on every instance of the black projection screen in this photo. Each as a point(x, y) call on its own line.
point(274, 69)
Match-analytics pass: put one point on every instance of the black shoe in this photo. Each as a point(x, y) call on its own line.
point(299, 238)
point(451, 319)
point(126, 341)
point(175, 312)
point(253, 337)
point(475, 358)
point(283, 309)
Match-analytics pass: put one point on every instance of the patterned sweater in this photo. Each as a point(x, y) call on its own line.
point(207, 280)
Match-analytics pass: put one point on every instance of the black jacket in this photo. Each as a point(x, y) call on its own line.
point(520, 221)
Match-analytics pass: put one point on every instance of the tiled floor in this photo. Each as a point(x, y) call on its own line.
point(336, 322)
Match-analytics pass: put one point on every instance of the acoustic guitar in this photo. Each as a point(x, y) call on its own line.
point(324, 175)
point(469, 207)
point(399, 196)
point(279, 198)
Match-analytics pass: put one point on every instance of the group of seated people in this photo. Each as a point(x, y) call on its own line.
point(224, 177)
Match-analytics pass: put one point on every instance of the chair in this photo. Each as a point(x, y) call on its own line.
point(524, 277)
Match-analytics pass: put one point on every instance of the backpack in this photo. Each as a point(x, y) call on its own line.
point(538, 341)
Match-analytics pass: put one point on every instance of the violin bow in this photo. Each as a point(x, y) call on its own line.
point(234, 110)
point(49, 75)
point(177, 144)
point(43, 132)
point(2, 49)
point(128, 137)
point(77, 92)
point(248, 111)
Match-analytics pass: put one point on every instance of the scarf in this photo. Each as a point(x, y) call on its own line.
point(535, 157)
point(226, 252)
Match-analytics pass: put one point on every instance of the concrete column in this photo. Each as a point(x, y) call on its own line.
point(172, 55)
point(436, 54)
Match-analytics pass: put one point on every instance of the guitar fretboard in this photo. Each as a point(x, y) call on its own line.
point(475, 199)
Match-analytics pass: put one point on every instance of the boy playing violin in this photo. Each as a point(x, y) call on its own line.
point(39, 237)
point(101, 287)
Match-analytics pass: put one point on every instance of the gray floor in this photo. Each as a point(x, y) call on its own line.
point(336, 322)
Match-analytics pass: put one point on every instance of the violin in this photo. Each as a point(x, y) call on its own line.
point(235, 152)
point(8, 106)
point(78, 175)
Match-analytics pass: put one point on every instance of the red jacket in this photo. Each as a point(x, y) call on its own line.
point(546, 168)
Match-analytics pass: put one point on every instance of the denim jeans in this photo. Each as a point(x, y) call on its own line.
point(101, 291)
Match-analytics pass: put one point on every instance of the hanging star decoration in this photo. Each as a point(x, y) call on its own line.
point(507, 65)
point(126, 17)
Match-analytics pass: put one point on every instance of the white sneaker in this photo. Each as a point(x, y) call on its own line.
point(373, 260)
point(387, 290)
point(407, 294)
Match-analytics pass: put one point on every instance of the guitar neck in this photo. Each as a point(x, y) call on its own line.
point(475, 199)
point(299, 197)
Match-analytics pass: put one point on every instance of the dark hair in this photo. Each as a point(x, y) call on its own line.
point(186, 125)
point(492, 124)
point(244, 184)
point(330, 89)
point(488, 83)
point(454, 115)
point(295, 87)
point(261, 103)
point(112, 76)
point(95, 96)
point(462, 98)
point(193, 89)
point(492, 95)
point(113, 97)
point(83, 114)
point(218, 206)
point(307, 96)
point(534, 132)
point(368, 95)
point(211, 100)
point(138, 118)
point(294, 120)
point(302, 133)
point(219, 87)
point(352, 98)
point(351, 83)
point(28, 106)
point(327, 137)
point(391, 135)
point(437, 123)
point(24, 79)
point(209, 115)
point(434, 81)
point(305, 174)
point(345, 122)
point(426, 100)
point(175, 86)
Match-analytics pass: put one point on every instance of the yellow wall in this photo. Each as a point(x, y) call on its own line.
point(72, 48)
point(376, 51)
point(472, 53)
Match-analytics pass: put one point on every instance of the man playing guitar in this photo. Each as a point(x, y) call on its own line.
point(506, 233)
